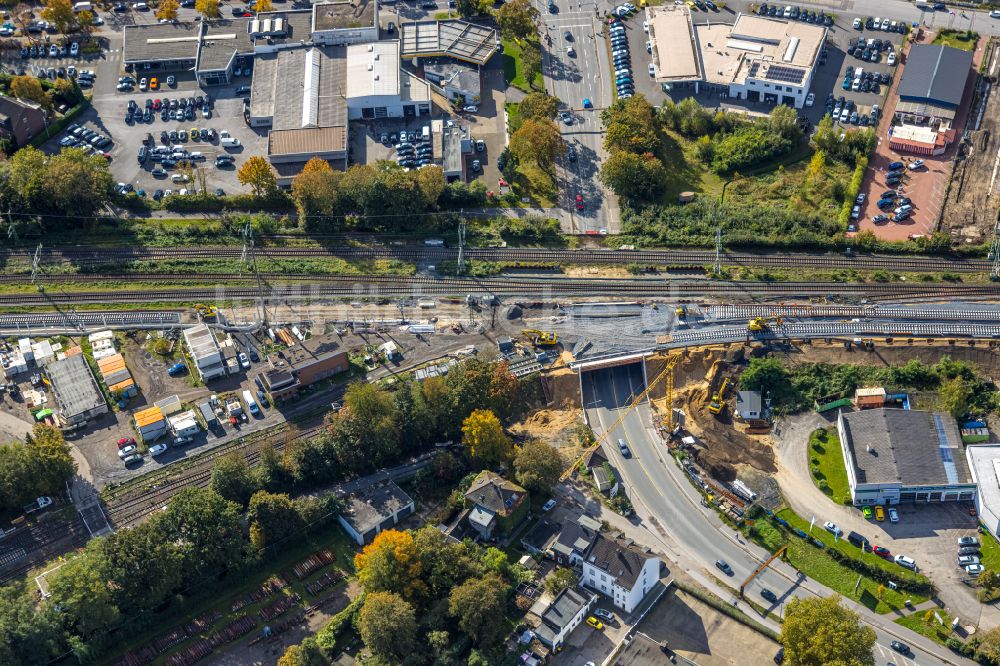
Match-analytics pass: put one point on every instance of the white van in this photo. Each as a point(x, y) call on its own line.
point(83, 7)
point(229, 142)
point(425, 132)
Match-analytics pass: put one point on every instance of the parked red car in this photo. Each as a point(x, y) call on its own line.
point(881, 551)
point(125, 441)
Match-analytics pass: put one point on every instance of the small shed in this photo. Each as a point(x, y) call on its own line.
point(169, 405)
point(208, 414)
point(869, 398)
point(184, 424)
point(748, 405)
point(150, 424)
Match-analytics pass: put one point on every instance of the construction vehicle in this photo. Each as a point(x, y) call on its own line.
point(716, 405)
point(206, 311)
point(681, 312)
point(760, 324)
point(541, 338)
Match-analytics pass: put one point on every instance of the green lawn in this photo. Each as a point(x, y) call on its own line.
point(818, 565)
point(958, 39)
point(512, 69)
point(826, 462)
point(990, 556)
point(933, 630)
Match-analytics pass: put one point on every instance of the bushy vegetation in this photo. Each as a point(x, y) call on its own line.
point(39, 466)
point(960, 389)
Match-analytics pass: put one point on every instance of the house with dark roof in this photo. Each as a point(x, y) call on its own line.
point(932, 85)
point(20, 120)
point(616, 567)
point(374, 509)
point(497, 506)
point(574, 540)
point(601, 471)
point(904, 455)
point(563, 615)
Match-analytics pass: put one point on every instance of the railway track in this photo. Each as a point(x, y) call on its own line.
point(312, 287)
point(667, 258)
point(30, 547)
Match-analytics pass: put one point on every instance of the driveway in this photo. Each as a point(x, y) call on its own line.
point(927, 533)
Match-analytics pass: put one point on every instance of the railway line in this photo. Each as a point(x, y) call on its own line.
point(663, 258)
point(317, 287)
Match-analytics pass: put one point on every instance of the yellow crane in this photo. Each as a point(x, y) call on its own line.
point(668, 375)
point(716, 405)
point(541, 338)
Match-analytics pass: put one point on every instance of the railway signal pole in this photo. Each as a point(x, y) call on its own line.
point(250, 259)
point(717, 267)
point(995, 251)
point(461, 245)
point(36, 267)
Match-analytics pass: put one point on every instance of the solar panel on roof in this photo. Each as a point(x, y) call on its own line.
point(784, 74)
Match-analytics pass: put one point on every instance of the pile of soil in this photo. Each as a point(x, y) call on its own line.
point(562, 389)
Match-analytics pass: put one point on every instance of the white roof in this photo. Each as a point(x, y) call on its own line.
point(373, 69)
point(984, 463)
point(871, 392)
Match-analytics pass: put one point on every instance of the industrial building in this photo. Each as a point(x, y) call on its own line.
point(209, 48)
point(76, 390)
point(903, 455)
point(757, 58)
point(370, 511)
point(984, 464)
point(204, 351)
point(469, 42)
point(304, 364)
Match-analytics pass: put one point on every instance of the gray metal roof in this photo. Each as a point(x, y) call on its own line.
point(562, 610)
point(466, 41)
point(936, 74)
point(160, 41)
point(906, 446)
point(283, 76)
point(75, 386)
point(222, 41)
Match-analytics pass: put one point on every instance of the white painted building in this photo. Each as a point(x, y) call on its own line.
point(376, 87)
point(984, 463)
point(620, 570)
point(204, 351)
point(184, 424)
point(563, 615)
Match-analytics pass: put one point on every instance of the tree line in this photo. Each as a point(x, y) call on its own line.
point(39, 466)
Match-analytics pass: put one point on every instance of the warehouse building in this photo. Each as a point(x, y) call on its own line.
point(469, 42)
point(79, 397)
point(204, 351)
point(305, 364)
point(904, 455)
point(209, 48)
point(757, 58)
point(984, 464)
point(457, 81)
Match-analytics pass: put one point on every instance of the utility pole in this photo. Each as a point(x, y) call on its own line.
point(250, 258)
point(12, 228)
point(994, 255)
point(461, 245)
point(717, 268)
point(36, 267)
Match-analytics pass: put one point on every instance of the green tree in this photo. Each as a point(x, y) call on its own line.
point(537, 466)
point(365, 433)
point(32, 633)
point(269, 473)
point(315, 192)
point(517, 19)
point(818, 631)
point(748, 147)
point(430, 181)
point(633, 176)
point(765, 374)
point(388, 626)
point(82, 594)
point(39, 466)
point(538, 141)
point(485, 439)
point(27, 177)
point(59, 12)
point(208, 531)
point(531, 61)
point(275, 517)
point(140, 567)
point(67, 91)
point(76, 182)
point(256, 172)
point(560, 579)
point(989, 645)
point(469, 8)
point(784, 120)
point(631, 125)
point(476, 604)
point(29, 88)
point(539, 105)
point(232, 479)
point(955, 396)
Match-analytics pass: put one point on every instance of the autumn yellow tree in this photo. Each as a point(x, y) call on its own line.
point(167, 11)
point(208, 8)
point(85, 20)
point(29, 88)
point(315, 190)
point(263, 6)
point(258, 174)
point(390, 563)
point(483, 434)
point(60, 13)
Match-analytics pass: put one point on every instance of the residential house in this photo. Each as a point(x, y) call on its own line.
point(748, 405)
point(498, 505)
point(574, 540)
point(563, 615)
point(371, 511)
point(20, 120)
point(614, 566)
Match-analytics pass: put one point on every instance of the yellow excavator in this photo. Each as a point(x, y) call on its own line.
point(206, 311)
point(541, 338)
point(681, 312)
point(760, 324)
point(716, 405)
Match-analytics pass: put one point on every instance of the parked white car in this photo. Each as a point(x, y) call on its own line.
point(832, 528)
point(904, 561)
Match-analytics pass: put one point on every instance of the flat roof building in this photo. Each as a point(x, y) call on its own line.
point(373, 510)
point(469, 42)
point(210, 48)
point(204, 351)
point(305, 364)
point(347, 22)
point(984, 464)
point(79, 397)
point(456, 80)
point(903, 455)
point(756, 58)
point(933, 83)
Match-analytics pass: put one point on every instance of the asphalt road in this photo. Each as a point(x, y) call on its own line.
point(659, 491)
point(584, 75)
